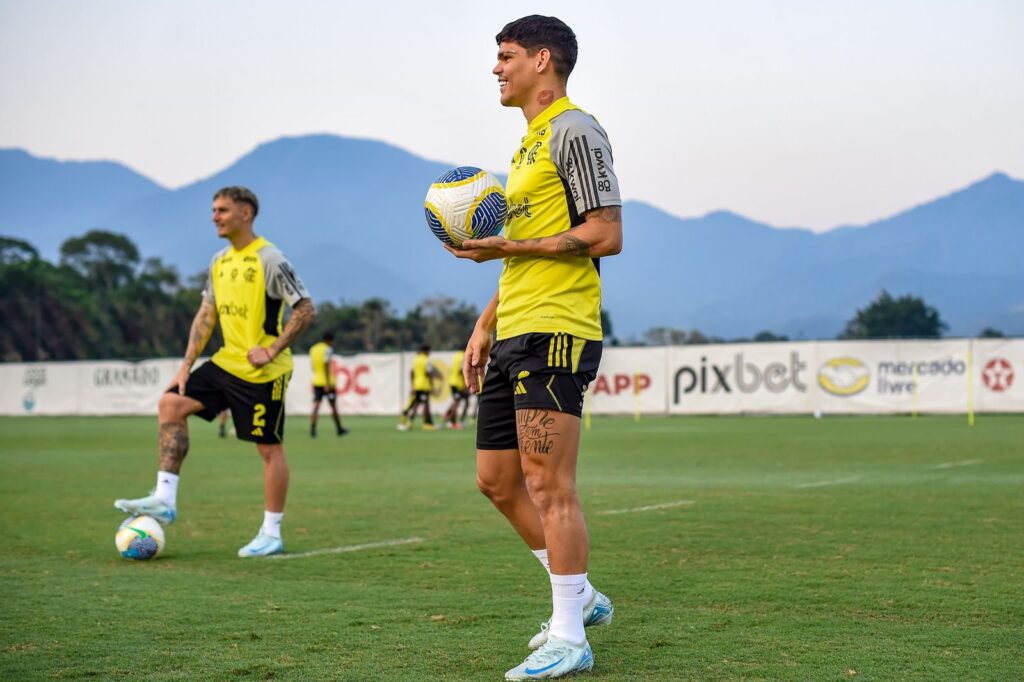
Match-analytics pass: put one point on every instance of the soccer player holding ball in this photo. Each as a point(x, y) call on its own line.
point(564, 213)
point(248, 284)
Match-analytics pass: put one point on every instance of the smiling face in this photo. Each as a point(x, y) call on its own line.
point(517, 73)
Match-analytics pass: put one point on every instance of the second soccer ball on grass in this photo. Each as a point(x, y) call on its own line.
point(140, 538)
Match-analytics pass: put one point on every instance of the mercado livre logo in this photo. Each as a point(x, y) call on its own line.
point(844, 376)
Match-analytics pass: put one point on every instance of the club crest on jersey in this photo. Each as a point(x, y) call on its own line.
point(531, 158)
point(517, 160)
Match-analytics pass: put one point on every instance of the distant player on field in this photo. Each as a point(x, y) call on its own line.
point(247, 287)
point(459, 391)
point(564, 213)
point(321, 358)
point(222, 420)
point(423, 373)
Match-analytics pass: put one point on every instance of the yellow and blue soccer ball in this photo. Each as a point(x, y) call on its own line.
point(140, 538)
point(465, 203)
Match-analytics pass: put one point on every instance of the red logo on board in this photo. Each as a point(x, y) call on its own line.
point(998, 375)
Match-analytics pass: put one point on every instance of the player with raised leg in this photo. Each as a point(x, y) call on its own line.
point(247, 286)
point(564, 214)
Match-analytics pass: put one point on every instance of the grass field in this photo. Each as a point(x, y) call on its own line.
point(793, 549)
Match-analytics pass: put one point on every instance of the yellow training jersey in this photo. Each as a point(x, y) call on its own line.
point(562, 170)
point(249, 288)
point(421, 373)
point(457, 379)
point(320, 356)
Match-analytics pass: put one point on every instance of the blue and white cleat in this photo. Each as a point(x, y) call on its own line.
point(598, 611)
point(262, 545)
point(149, 506)
point(555, 658)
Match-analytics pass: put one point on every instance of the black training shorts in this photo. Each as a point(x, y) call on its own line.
point(538, 371)
point(256, 409)
point(321, 392)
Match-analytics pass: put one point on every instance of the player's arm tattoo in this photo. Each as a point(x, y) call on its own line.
point(173, 446)
point(303, 314)
point(202, 328)
point(570, 243)
point(535, 431)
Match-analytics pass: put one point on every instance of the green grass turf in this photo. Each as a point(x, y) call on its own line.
point(844, 548)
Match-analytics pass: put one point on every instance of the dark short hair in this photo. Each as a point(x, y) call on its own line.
point(240, 195)
point(328, 336)
point(424, 348)
point(535, 32)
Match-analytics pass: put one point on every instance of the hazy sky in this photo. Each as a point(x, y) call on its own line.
point(809, 113)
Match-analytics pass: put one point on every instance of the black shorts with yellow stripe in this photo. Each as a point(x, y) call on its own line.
point(257, 410)
point(533, 371)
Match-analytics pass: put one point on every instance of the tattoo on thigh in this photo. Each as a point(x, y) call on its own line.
point(173, 446)
point(535, 434)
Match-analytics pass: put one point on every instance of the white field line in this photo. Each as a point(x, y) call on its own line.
point(350, 548)
point(834, 481)
point(962, 463)
point(650, 507)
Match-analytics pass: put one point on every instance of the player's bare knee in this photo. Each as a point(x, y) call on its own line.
point(549, 490)
point(172, 408)
point(269, 452)
point(494, 489)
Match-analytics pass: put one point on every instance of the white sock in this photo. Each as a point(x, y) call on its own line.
point(542, 557)
point(272, 523)
point(568, 596)
point(167, 487)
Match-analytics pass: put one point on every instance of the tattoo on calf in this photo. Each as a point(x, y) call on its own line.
point(535, 434)
point(173, 446)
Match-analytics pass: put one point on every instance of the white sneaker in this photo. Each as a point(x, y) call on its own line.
point(149, 506)
point(402, 427)
point(555, 658)
point(262, 545)
point(598, 611)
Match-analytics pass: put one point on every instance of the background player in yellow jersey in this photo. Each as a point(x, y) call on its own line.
point(248, 285)
point(564, 213)
point(460, 393)
point(423, 374)
point(321, 358)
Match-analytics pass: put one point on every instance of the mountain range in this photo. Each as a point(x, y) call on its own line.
point(348, 214)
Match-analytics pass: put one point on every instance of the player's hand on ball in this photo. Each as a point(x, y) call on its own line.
point(259, 356)
point(480, 250)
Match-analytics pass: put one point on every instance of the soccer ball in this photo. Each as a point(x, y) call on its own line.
point(465, 203)
point(140, 537)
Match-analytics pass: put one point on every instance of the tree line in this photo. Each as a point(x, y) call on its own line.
point(103, 300)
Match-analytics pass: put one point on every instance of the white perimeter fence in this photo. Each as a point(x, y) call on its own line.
point(831, 377)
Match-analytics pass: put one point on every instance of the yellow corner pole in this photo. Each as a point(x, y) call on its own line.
point(636, 397)
point(970, 384)
point(913, 399)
